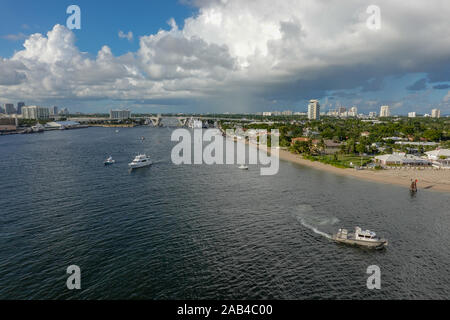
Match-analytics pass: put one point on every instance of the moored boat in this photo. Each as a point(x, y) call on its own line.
point(140, 161)
point(109, 161)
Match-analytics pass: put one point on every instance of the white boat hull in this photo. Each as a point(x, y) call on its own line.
point(139, 165)
point(370, 244)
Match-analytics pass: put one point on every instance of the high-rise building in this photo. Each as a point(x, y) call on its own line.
point(372, 114)
point(385, 111)
point(53, 111)
point(120, 114)
point(353, 112)
point(35, 112)
point(435, 113)
point(342, 110)
point(9, 108)
point(314, 110)
point(411, 114)
point(20, 105)
point(64, 112)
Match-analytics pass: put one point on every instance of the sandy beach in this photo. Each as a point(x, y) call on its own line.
point(428, 178)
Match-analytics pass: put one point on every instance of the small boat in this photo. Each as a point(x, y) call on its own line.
point(140, 161)
point(117, 131)
point(364, 238)
point(109, 161)
point(243, 167)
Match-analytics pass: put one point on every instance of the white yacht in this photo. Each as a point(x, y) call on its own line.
point(140, 161)
point(360, 237)
point(110, 160)
point(243, 167)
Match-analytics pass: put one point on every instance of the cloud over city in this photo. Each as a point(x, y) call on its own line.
point(261, 51)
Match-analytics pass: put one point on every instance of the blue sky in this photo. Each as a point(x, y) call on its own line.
point(225, 56)
point(101, 21)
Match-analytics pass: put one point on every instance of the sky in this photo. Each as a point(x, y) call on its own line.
point(226, 55)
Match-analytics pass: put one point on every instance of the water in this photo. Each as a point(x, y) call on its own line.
point(202, 232)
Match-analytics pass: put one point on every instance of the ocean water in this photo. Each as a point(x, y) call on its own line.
point(203, 232)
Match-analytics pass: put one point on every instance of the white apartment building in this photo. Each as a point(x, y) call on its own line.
point(120, 114)
point(314, 110)
point(35, 112)
point(385, 111)
point(411, 114)
point(353, 112)
point(435, 113)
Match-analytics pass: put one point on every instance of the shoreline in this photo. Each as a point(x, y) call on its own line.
point(428, 179)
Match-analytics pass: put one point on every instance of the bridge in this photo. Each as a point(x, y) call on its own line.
point(156, 121)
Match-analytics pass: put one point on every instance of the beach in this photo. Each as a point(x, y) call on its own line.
point(428, 178)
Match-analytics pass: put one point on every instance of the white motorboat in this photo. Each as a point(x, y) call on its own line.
point(140, 161)
point(365, 238)
point(110, 160)
point(243, 167)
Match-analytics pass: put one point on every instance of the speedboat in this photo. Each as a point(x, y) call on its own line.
point(243, 167)
point(110, 160)
point(365, 238)
point(140, 161)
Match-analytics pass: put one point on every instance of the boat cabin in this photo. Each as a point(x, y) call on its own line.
point(366, 235)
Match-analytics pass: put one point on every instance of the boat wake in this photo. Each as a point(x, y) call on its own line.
point(308, 218)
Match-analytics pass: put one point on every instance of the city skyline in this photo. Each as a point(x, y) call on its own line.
point(189, 57)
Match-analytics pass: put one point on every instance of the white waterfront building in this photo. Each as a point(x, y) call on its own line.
point(440, 158)
point(35, 113)
point(119, 114)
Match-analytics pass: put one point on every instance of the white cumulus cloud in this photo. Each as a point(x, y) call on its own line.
point(239, 55)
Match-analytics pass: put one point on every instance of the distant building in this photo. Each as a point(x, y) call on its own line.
point(411, 114)
point(342, 111)
point(64, 112)
point(385, 111)
point(435, 113)
point(20, 105)
point(353, 112)
point(8, 124)
point(120, 114)
point(54, 111)
point(314, 110)
point(332, 147)
point(35, 112)
point(372, 114)
point(402, 159)
point(267, 114)
point(287, 113)
point(9, 108)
